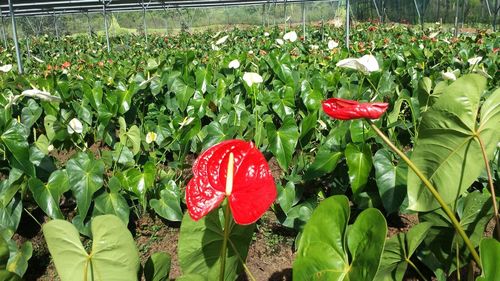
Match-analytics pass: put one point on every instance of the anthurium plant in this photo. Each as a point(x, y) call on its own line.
point(187, 127)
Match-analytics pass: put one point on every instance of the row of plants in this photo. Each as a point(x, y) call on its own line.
point(133, 121)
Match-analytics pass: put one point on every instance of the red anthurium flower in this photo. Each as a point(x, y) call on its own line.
point(235, 169)
point(66, 64)
point(348, 109)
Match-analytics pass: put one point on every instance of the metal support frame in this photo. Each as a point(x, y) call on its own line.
point(347, 23)
point(304, 19)
point(144, 8)
point(4, 34)
point(104, 4)
point(166, 18)
point(88, 24)
point(377, 10)
point(55, 25)
point(286, 20)
point(420, 19)
point(14, 35)
point(455, 32)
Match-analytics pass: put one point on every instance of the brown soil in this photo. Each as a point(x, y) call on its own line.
point(401, 223)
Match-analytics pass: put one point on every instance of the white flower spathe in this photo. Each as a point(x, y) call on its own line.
point(234, 64)
point(290, 36)
point(50, 147)
point(151, 137)
point(42, 95)
point(280, 41)
point(266, 34)
point(252, 78)
point(449, 76)
point(75, 126)
point(314, 47)
point(332, 45)
point(6, 68)
point(222, 40)
point(366, 64)
point(475, 60)
point(38, 60)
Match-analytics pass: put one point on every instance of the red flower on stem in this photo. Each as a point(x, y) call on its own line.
point(233, 169)
point(66, 64)
point(348, 109)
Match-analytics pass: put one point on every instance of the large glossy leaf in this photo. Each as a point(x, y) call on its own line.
point(448, 151)
point(183, 93)
point(200, 244)
point(282, 142)
point(443, 245)
point(328, 250)
point(85, 178)
point(168, 206)
point(47, 196)
point(131, 137)
point(114, 255)
point(157, 267)
point(359, 162)
point(391, 180)
point(140, 182)
point(325, 162)
point(18, 260)
point(398, 251)
point(490, 255)
point(31, 113)
point(15, 138)
point(112, 203)
point(10, 216)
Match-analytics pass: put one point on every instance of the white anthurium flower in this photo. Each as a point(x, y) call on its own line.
point(151, 137)
point(250, 52)
point(314, 47)
point(215, 48)
point(421, 46)
point(42, 95)
point(38, 60)
point(234, 64)
point(449, 76)
point(475, 60)
point(75, 126)
point(332, 45)
point(434, 34)
point(366, 64)
point(252, 78)
point(6, 68)
point(50, 147)
point(186, 121)
point(222, 40)
point(280, 41)
point(290, 36)
point(266, 34)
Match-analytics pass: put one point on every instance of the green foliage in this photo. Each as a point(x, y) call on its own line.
point(157, 267)
point(329, 250)
point(114, 255)
point(490, 253)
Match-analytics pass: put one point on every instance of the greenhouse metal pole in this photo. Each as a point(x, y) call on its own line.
point(14, 35)
point(304, 19)
point(285, 16)
point(488, 7)
point(347, 23)
point(463, 12)
point(455, 33)
point(88, 24)
point(4, 34)
point(55, 25)
point(418, 14)
point(376, 9)
point(145, 24)
point(106, 25)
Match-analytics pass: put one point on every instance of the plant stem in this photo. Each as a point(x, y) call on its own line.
point(416, 269)
point(433, 191)
point(490, 183)
point(223, 251)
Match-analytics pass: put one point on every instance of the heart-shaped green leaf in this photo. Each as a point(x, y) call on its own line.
point(359, 162)
point(490, 254)
point(282, 142)
point(15, 138)
point(114, 255)
point(322, 253)
point(47, 195)
point(85, 178)
point(448, 151)
point(200, 244)
point(157, 267)
point(168, 206)
point(391, 180)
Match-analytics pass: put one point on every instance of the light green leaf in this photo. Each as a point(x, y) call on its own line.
point(114, 256)
point(168, 206)
point(112, 203)
point(391, 180)
point(30, 113)
point(18, 262)
point(183, 93)
point(447, 151)
point(490, 255)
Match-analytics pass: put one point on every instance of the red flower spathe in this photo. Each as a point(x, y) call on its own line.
point(253, 189)
point(348, 109)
